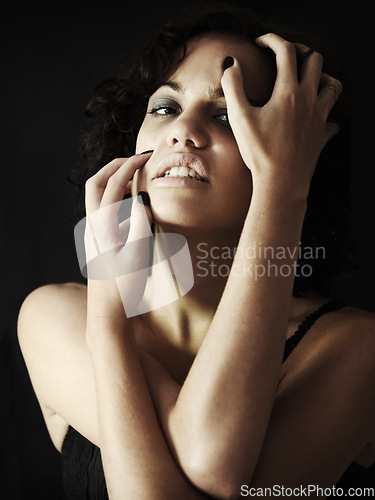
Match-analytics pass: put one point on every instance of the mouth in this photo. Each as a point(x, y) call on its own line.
point(183, 172)
point(182, 165)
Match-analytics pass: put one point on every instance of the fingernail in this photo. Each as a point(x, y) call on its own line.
point(228, 62)
point(143, 198)
point(146, 152)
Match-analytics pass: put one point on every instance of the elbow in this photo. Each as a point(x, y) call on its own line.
point(223, 483)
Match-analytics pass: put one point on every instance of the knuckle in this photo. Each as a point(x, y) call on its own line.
point(318, 55)
point(291, 91)
point(338, 86)
point(112, 181)
point(331, 83)
point(288, 47)
point(301, 47)
point(90, 182)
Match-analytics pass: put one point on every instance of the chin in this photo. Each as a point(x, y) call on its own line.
point(171, 219)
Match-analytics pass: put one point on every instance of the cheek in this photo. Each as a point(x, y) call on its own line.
point(233, 196)
point(235, 177)
point(236, 173)
point(239, 189)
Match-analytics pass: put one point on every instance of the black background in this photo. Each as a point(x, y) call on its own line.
point(51, 57)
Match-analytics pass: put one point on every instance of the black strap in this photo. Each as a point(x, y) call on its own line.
point(307, 323)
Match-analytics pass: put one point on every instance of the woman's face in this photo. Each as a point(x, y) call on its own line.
point(187, 127)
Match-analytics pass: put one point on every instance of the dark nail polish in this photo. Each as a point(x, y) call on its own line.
point(144, 198)
point(228, 62)
point(146, 152)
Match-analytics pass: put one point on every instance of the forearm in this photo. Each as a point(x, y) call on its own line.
point(220, 417)
point(136, 458)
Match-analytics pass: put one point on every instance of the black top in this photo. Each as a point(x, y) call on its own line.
point(83, 475)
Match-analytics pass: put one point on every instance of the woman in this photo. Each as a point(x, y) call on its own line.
point(202, 398)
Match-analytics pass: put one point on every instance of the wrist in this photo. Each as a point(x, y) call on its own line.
point(105, 311)
point(102, 332)
point(274, 220)
point(103, 299)
point(272, 204)
point(280, 190)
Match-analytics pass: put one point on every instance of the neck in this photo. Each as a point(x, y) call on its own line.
point(211, 256)
point(189, 317)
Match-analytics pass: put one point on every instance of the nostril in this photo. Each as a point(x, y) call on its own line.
point(186, 142)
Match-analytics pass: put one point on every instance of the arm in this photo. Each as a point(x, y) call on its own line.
point(324, 409)
point(240, 359)
point(231, 386)
point(136, 458)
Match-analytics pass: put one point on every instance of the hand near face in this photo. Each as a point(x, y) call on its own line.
point(282, 140)
point(117, 252)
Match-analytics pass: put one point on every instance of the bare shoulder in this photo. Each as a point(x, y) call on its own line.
point(48, 311)
point(338, 348)
point(351, 333)
point(51, 332)
point(348, 334)
point(52, 299)
point(324, 412)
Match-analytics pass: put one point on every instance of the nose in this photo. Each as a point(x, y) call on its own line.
point(188, 130)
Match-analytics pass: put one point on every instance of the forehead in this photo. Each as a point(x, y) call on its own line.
point(204, 63)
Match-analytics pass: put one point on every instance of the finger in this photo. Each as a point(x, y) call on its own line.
point(330, 90)
point(286, 59)
point(140, 218)
point(117, 184)
point(135, 254)
point(238, 105)
point(128, 188)
point(311, 69)
point(140, 226)
point(96, 184)
point(111, 183)
point(123, 229)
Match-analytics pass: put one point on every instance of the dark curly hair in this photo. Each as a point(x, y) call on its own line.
point(118, 106)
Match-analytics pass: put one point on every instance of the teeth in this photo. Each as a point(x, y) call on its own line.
point(174, 171)
point(182, 172)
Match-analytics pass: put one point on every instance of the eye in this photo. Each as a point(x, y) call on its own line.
point(222, 116)
point(163, 108)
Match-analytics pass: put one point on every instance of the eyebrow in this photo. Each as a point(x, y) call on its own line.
point(177, 87)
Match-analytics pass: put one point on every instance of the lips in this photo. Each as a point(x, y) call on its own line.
point(192, 167)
